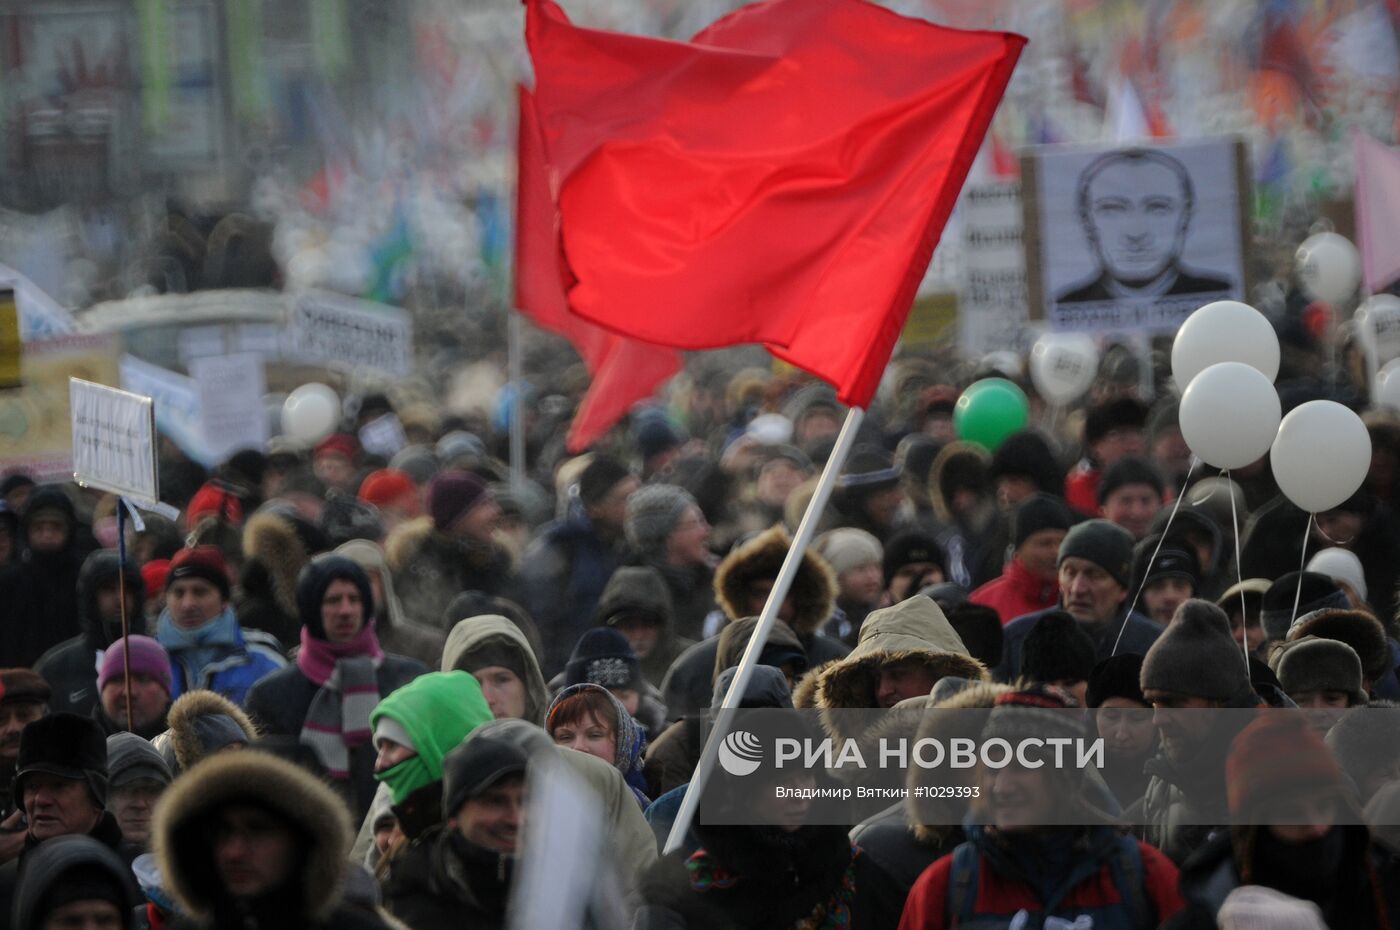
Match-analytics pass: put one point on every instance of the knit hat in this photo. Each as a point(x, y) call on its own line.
point(1312, 663)
point(477, 765)
point(846, 547)
point(1123, 413)
point(978, 626)
point(1196, 656)
point(384, 487)
point(1039, 512)
point(1033, 713)
point(65, 745)
point(131, 758)
point(213, 499)
point(655, 435)
point(603, 657)
point(1319, 593)
point(1358, 629)
point(418, 462)
point(1256, 907)
point(23, 685)
point(653, 512)
point(342, 444)
point(1276, 755)
point(437, 710)
point(459, 444)
point(1116, 677)
point(154, 574)
point(911, 548)
point(1056, 649)
point(148, 658)
point(1106, 544)
point(452, 494)
point(1341, 565)
point(316, 577)
point(1126, 471)
point(598, 478)
point(203, 562)
point(1151, 563)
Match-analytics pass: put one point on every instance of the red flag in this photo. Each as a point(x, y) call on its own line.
point(624, 370)
point(781, 179)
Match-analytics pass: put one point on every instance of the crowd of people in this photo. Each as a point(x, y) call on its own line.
point(319, 697)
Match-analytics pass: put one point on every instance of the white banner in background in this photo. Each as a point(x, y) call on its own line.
point(230, 391)
point(114, 440)
point(177, 405)
point(355, 335)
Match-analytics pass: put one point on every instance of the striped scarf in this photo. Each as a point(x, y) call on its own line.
point(338, 719)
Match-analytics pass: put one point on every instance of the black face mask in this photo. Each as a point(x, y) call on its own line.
point(1306, 870)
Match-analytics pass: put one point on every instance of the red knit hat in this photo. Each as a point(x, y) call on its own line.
point(1278, 753)
point(337, 444)
point(385, 486)
point(203, 562)
point(153, 574)
point(211, 500)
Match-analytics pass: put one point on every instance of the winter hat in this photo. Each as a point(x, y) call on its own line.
point(1123, 413)
point(767, 688)
point(1126, 471)
point(384, 487)
point(785, 453)
point(1196, 656)
point(1257, 907)
point(603, 657)
point(1319, 593)
point(68, 869)
point(14, 483)
point(477, 765)
point(23, 685)
point(869, 468)
point(342, 444)
point(65, 745)
point(344, 518)
point(914, 457)
point(148, 658)
point(437, 711)
point(203, 562)
point(653, 512)
point(656, 435)
point(1106, 544)
point(1311, 663)
point(910, 548)
point(846, 548)
point(1039, 512)
point(131, 758)
point(598, 478)
point(978, 626)
point(214, 499)
point(1151, 563)
point(1358, 629)
point(1116, 677)
point(1035, 713)
point(316, 577)
point(459, 444)
point(154, 574)
point(1027, 454)
point(1341, 565)
point(452, 494)
point(418, 462)
point(1056, 649)
point(1277, 754)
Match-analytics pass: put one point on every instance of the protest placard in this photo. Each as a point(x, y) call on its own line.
point(231, 411)
point(177, 405)
point(351, 335)
point(114, 441)
point(992, 296)
point(34, 433)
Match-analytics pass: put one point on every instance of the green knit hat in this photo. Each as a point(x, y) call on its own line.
point(437, 710)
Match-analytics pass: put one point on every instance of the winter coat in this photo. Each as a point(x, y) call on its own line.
point(1017, 593)
point(182, 746)
point(643, 590)
point(241, 660)
point(690, 682)
point(752, 877)
point(274, 554)
point(49, 862)
point(1137, 639)
point(1363, 882)
point(692, 594)
point(489, 631)
point(70, 668)
point(969, 540)
point(1082, 488)
point(562, 576)
point(1116, 881)
point(893, 853)
point(106, 832)
point(309, 900)
point(398, 632)
point(445, 882)
point(280, 702)
point(40, 590)
point(431, 568)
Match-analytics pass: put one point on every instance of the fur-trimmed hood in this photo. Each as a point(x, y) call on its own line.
point(406, 540)
point(943, 727)
point(912, 629)
point(183, 834)
point(271, 545)
point(182, 745)
point(813, 588)
point(961, 464)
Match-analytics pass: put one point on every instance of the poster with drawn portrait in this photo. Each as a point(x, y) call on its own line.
point(1133, 239)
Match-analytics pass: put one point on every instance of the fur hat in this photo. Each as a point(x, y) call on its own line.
point(979, 627)
point(1116, 677)
point(759, 558)
point(1357, 628)
point(23, 685)
point(1196, 656)
point(1056, 649)
point(909, 548)
point(1123, 413)
point(1311, 663)
point(65, 745)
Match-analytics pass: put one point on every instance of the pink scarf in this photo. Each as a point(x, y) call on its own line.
point(338, 719)
point(317, 657)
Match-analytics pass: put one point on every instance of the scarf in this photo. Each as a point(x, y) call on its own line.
point(338, 719)
point(832, 914)
point(203, 645)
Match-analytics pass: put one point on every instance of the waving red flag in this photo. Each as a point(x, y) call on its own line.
point(782, 178)
point(624, 370)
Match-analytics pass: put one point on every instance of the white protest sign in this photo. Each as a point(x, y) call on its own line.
point(993, 305)
point(177, 405)
point(114, 440)
point(231, 410)
point(354, 335)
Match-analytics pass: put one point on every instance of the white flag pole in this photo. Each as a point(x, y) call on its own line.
point(805, 531)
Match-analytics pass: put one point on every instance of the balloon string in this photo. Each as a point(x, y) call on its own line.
point(1176, 505)
point(1239, 575)
point(1302, 567)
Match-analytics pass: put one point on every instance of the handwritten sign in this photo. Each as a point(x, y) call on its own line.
point(230, 403)
point(114, 440)
point(353, 335)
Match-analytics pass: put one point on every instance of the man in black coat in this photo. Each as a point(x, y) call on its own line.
point(40, 591)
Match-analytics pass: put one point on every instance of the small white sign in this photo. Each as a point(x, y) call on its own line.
point(114, 440)
point(353, 335)
point(230, 403)
point(383, 436)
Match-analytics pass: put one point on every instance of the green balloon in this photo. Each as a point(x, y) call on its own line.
point(989, 411)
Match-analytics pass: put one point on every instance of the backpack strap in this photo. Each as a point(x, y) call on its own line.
point(1128, 864)
point(961, 901)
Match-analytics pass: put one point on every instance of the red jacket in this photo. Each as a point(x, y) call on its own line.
point(1017, 592)
point(1082, 489)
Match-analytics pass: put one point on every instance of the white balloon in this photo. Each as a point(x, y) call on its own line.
point(310, 413)
point(1063, 366)
point(1329, 267)
point(1388, 386)
point(1229, 415)
point(1224, 331)
point(1321, 455)
point(1378, 326)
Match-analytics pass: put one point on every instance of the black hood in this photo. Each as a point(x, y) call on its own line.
point(49, 497)
point(100, 567)
point(50, 863)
